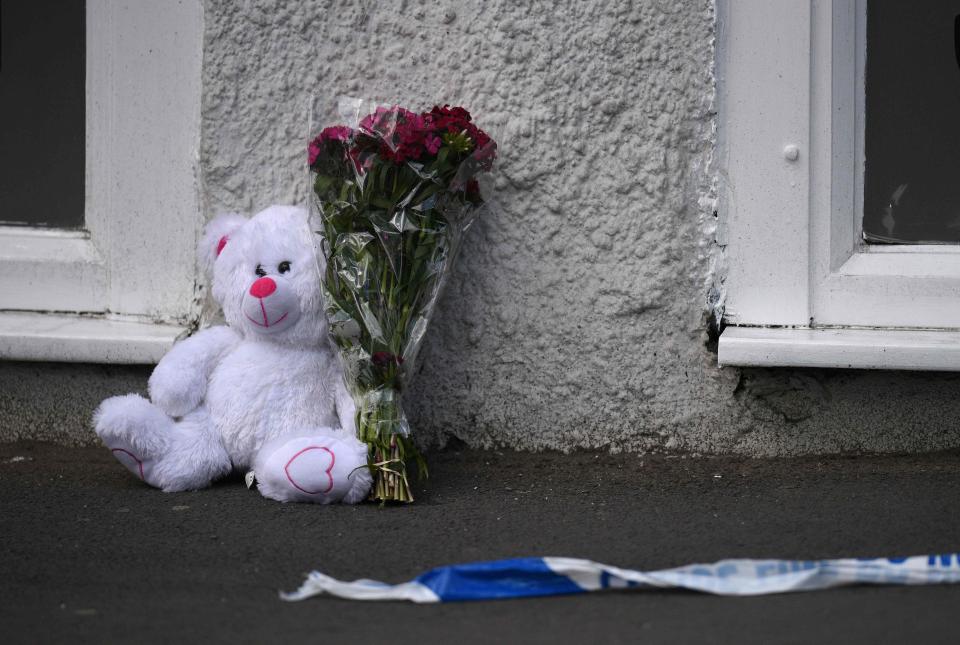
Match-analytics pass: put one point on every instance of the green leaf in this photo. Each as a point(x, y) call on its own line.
point(381, 202)
point(321, 184)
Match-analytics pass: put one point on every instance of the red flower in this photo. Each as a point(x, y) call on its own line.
point(445, 116)
point(362, 160)
point(456, 120)
point(399, 135)
point(447, 119)
point(402, 134)
point(384, 121)
point(336, 133)
point(329, 140)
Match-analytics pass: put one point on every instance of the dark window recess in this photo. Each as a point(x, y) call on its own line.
point(42, 112)
point(912, 138)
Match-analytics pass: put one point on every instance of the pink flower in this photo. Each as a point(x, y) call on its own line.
point(313, 151)
point(432, 143)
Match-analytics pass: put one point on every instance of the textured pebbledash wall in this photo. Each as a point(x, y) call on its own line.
point(578, 314)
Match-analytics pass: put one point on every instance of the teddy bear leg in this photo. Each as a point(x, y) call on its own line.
point(321, 467)
point(195, 455)
point(162, 452)
point(135, 431)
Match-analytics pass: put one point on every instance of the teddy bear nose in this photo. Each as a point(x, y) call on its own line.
point(263, 288)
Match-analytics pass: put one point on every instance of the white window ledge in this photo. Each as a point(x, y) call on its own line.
point(80, 339)
point(892, 349)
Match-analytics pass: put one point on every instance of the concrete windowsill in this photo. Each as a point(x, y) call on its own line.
point(83, 339)
point(894, 349)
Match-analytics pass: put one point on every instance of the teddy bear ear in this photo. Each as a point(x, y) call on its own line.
point(216, 236)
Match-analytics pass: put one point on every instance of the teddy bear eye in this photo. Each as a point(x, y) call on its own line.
point(283, 267)
point(259, 271)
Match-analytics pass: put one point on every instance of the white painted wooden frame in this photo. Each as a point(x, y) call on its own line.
point(126, 284)
point(791, 105)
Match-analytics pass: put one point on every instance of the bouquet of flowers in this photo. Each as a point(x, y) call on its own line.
point(392, 198)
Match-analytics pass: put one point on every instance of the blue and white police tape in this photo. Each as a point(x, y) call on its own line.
point(526, 577)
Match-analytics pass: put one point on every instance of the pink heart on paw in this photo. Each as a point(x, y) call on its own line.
point(308, 471)
point(128, 459)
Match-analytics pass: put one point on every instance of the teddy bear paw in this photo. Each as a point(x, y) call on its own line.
point(134, 430)
point(133, 421)
point(175, 394)
point(321, 469)
point(132, 459)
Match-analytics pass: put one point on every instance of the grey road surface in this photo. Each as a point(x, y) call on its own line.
point(92, 555)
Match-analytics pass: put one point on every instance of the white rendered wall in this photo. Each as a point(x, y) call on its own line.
point(578, 314)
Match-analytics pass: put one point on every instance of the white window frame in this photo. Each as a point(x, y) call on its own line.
point(125, 287)
point(802, 286)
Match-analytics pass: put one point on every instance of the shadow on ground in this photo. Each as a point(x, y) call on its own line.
point(91, 554)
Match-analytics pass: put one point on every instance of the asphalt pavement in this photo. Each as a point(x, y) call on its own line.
point(90, 554)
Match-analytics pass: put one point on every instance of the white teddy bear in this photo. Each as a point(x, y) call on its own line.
point(265, 391)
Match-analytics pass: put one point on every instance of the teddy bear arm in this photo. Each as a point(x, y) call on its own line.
point(174, 455)
point(179, 382)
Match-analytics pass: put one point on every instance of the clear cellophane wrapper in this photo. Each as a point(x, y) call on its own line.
point(393, 193)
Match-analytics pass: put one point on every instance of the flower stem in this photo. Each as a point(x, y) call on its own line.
point(382, 425)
